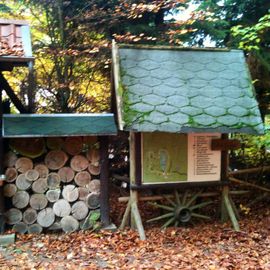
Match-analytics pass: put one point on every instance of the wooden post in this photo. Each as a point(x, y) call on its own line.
point(104, 181)
point(31, 87)
point(228, 208)
point(2, 172)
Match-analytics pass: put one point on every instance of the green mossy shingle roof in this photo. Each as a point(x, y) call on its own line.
point(187, 91)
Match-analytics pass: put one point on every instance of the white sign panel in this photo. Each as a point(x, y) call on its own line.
point(203, 163)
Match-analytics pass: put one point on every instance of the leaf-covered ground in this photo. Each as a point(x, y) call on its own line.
point(206, 245)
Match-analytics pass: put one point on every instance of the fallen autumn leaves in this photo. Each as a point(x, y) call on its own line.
point(207, 246)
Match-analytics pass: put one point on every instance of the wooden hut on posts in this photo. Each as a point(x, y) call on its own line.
point(57, 173)
point(179, 105)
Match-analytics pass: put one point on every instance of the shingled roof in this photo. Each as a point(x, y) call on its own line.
point(175, 90)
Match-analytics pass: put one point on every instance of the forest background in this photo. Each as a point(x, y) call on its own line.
point(72, 44)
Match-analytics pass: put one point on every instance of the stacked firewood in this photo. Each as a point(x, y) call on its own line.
point(59, 190)
point(6, 50)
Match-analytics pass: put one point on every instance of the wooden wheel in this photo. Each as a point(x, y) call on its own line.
point(181, 209)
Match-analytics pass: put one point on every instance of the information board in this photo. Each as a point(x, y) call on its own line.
point(172, 158)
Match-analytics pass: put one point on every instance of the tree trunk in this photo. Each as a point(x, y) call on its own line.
point(29, 216)
point(94, 186)
point(94, 170)
point(11, 175)
point(73, 145)
point(22, 183)
point(35, 228)
point(79, 210)
point(61, 208)
point(56, 159)
point(38, 201)
point(53, 195)
point(66, 174)
point(32, 175)
point(9, 190)
point(82, 179)
point(79, 163)
point(92, 200)
point(40, 186)
point(53, 180)
point(20, 199)
point(70, 193)
point(42, 170)
point(46, 217)
point(23, 164)
point(20, 227)
point(69, 224)
point(13, 216)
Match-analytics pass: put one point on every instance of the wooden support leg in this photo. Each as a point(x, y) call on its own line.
point(229, 208)
point(138, 221)
point(126, 216)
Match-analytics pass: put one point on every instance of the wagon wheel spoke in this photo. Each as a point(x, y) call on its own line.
point(160, 217)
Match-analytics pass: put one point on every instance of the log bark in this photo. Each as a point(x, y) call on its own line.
point(23, 164)
point(22, 183)
point(70, 193)
point(73, 145)
point(69, 224)
point(83, 193)
point(20, 227)
point(35, 228)
point(61, 208)
point(9, 190)
point(53, 195)
point(94, 170)
point(82, 179)
point(13, 216)
point(42, 170)
point(93, 200)
point(46, 217)
point(56, 159)
point(29, 216)
point(11, 175)
point(32, 175)
point(79, 163)
point(66, 174)
point(79, 210)
point(53, 180)
point(10, 159)
point(38, 201)
point(20, 199)
point(94, 186)
point(93, 156)
point(55, 143)
point(40, 186)
point(7, 239)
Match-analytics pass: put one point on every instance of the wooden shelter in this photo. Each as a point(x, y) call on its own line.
point(29, 128)
point(179, 105)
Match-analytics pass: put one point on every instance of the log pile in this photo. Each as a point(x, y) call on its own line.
point(58, 190)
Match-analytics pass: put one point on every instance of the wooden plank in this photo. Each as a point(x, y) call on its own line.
point(224, 161)
point(225, 144)
point(251, 170)
point(104, 181)
point(116, 73)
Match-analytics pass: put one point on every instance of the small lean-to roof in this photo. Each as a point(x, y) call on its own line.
point(51, 125)
point(184, 90)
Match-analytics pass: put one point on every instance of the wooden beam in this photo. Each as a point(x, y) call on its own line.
point(225, 144)
point(251, 170)
point(104, 181)
point(4, 85)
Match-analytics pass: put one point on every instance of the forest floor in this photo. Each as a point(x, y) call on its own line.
point(205, 245)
